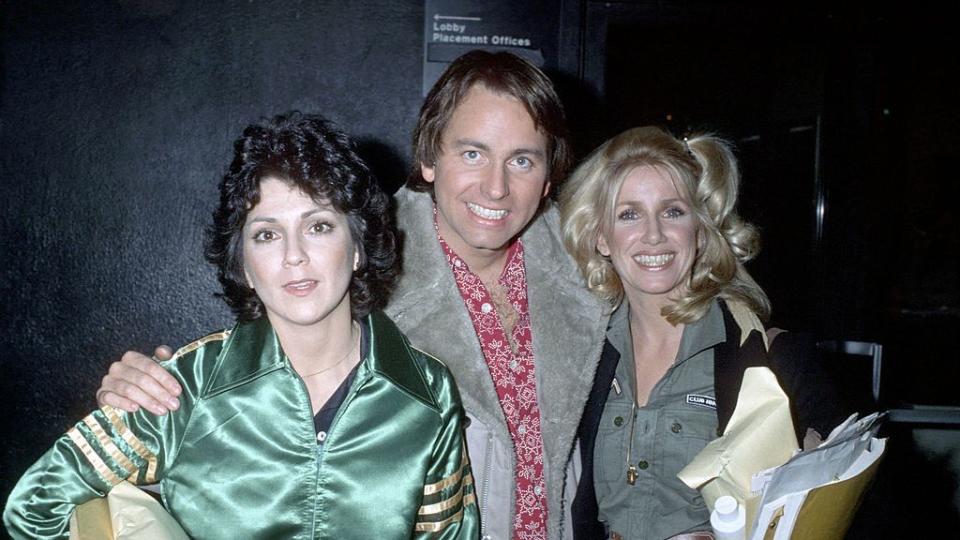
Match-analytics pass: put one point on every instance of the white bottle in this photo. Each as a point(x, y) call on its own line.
point(728, 519)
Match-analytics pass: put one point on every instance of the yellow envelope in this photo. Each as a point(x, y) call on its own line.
point(126, 513)
point(825, 512)
point(759, 436)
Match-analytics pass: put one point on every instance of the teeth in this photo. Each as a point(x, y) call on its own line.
point(654, 260)
point(486, 213)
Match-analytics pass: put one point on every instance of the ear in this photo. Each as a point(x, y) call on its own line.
point(428, 171)
point(356, 258)
point(602, 246)
point(546, 189)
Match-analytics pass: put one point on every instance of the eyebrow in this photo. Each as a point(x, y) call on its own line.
point(528, 151)
point(305, 215)
point(460, 143)
point(664, 201)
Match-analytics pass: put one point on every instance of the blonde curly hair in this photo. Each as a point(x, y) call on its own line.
point(707, 177)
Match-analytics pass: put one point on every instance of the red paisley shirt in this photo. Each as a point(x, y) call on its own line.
point(514, 378)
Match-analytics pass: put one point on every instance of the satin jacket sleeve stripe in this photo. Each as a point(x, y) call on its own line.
point(440, 525)
point(95, 461)
point(436, 487)
point(109, 447)
point(453, 500)
point(121, 429)
point(436, 508)
point(432, 518)
point(99, 451)
point(219, 336)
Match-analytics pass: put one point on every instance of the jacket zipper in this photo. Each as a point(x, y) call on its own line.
point(316, 488)
point(322, 445)
point(317, 454)
point(488, 467)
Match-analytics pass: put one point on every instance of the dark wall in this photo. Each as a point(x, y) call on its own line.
point(117, 120)
point(117, 117)
point(892, 242)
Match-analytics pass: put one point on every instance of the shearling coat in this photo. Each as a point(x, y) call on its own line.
point(568, 325)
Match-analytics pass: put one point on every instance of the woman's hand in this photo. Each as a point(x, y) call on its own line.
point(139, 381)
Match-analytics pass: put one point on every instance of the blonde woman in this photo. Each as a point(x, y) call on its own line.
point(652, 222)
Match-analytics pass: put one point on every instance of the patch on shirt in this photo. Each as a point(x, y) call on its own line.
point(702, 401)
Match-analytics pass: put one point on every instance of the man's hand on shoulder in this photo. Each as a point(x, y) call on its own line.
point(138, 381)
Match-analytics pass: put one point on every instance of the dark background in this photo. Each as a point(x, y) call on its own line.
point(117, 117)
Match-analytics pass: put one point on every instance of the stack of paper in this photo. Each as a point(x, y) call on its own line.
point(787, 494)
point(816, 494)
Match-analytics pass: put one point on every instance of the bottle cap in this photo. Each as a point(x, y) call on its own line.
point(726, 508)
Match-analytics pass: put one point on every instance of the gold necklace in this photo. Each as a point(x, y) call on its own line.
point(342, 360)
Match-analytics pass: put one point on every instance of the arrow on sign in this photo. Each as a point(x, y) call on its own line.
point(456, 18)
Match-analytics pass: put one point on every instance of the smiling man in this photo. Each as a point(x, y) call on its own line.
point(487, 287)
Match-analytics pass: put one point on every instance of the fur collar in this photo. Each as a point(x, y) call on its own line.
point(567, 321)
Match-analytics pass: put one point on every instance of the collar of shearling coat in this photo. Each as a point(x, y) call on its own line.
point(568, 325)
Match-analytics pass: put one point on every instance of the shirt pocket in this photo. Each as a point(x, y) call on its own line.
point(684, 432)
point(610, 450)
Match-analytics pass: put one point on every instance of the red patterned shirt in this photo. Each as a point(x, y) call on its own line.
point(514, 378)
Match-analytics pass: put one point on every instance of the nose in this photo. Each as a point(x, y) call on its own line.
point(495, 186)
point(293, 254)
point(654, 232)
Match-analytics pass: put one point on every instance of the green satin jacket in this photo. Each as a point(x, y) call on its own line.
point(240, 458)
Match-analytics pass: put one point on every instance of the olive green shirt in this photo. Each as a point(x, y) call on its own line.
point(678, 420)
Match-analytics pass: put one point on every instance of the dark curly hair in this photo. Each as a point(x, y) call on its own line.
point(308, 152)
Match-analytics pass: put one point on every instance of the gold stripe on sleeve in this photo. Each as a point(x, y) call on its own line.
point(95, 461)
point(121, 428)
point(447, 504)
point(430, 489)
point(219, 336)
point(108, 445)
point(453, 500)
point(440, 525)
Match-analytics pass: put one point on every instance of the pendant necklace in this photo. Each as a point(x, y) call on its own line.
point(632, 472)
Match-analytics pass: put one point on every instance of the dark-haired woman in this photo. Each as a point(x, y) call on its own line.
point(311, 418)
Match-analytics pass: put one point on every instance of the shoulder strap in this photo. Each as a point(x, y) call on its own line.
point(585, 509)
